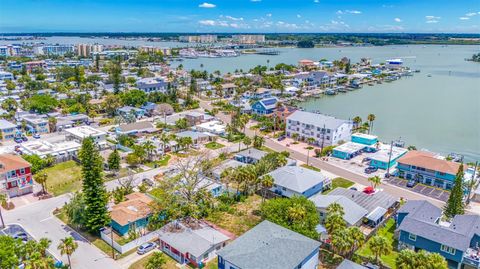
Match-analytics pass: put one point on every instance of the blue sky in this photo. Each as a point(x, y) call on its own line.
point(460, 16)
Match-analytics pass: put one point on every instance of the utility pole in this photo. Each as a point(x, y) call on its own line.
point(470, 186)
point(111, 238)
point(323, 138)
point(387, 175)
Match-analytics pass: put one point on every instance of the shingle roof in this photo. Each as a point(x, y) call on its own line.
point(316, 119)
point(427, 160)
point(139, 125)
point(368, 201)
point(422, 221)
point(353, 212)
point(348, 264)
point(297, 178)
point(137, 206)
point(269, 246)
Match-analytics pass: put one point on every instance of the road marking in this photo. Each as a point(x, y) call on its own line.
point(47, 218)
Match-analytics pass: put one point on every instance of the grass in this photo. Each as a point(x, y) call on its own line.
point(214, 145)
point(339, 182)
point(171, 263)
point(159, 163)
point(240, 218)
point(388, 232)
point(64, 177)
point(268, 150)
point(310, 167)
point(94, 239)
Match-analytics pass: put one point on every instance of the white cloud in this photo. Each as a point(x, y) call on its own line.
point(432, 19)
point(340, 12)
point(316, 1)
point(207, 5)
point(224, 23)
point(255, 0)
point(464, 18)
point(471, 14)
point(207, 22)
point(299, 16)
point(397, 20)
point(269, 15)
point(234, 18)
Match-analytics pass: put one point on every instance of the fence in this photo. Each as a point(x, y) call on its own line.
point(106, 235)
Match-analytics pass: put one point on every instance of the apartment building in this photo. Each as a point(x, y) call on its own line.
point(248, 39)
point(86, 50)
point(15, 175)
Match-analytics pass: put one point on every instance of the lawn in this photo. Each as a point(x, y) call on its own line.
point(339, 182)
point(388, 233)
point(310, 167)
point(159, 163)
point(64, 177)
point(214, 145)
point(140, 264)
point(241, 218)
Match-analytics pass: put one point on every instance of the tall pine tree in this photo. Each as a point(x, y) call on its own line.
point(95, 193)
point(455, 205)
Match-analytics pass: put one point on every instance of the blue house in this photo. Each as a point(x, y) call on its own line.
point(269, 245)
point(128, 111)
point(292, 181)
point(265, 106)
point(386, 157)
point(132, 213)
point(420, 227)
point(348, 150)
point(426, 168)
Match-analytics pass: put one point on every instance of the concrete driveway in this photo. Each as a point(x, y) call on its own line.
point(422, 189)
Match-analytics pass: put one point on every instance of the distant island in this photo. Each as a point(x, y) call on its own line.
point(475, 58)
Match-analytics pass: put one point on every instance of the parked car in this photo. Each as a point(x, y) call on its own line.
point(18, 139)
point(281, 138)
point(21, 235)
point(411, 183)
point(24, 138)
point(353, 189)
point(148, 181)
point(371, 169)
point(36, 136)
point(366, 159)
point(195, 146)
point(145, 248)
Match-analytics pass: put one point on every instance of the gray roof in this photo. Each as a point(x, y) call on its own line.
point(348, 264)
point(252, 153)
point(423, 220)
point(137, 126)
point(297, 178)
point(368, 201)
point(4, 124)
point(193, 241)
point(193, 134)
point(269, 246)
point(226, 164)
point(316, 119)
point(353, 212)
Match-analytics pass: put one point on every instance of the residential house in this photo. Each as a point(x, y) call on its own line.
point(253, 155)
point(7, 130)
point(128, 111)
point(292, 181)
point(196, 136)
point(36, 123)
point(270, 246)
point(217, 171)
point(378, 204)
point(194, 243)
point(283, 112)
point(194, 118)
point(15, 175)
point(133, 213)
point(69, 121)
point(354, 213)
point(348, 264)
point(156, 84)
point(213, 127)
point(386, 156)
point(81, 132)
point(139, 127)
point(258, 94)
point(62, 151)
point(420, 226)
point(265, 106)
point(428, 169)
point(229, 89)
point(325, 130)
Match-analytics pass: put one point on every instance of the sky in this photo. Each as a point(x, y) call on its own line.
point(255, 16)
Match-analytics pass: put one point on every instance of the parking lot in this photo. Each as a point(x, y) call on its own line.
point(429, 191)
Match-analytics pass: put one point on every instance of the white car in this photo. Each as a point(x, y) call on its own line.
point(145, 248)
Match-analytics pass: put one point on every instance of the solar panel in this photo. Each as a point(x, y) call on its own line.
point(269, 102)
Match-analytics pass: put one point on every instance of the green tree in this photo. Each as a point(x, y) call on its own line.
point(267, 182)
point(258, 141)
point(334, 221)
point(308, 153)
point(409, 259)
point(156, 261)
point(10, 251)
point(379, 246)
point(134, 98)
point(181, 124)
point(247, 141)
point(375, 181)
point(114, 161)
point(297, 214)
point(455, 205)
point(41, 177)
point(3, 200)
point(75, 210)
point(95, 194)
point(36, 162)
point(371, 118)
point(67, 247)
point(40, 103)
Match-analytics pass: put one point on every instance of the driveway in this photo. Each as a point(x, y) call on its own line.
point(38, 221)
point(426, 190)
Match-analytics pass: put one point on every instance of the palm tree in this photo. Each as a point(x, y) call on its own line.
point(67, 247)
point(371, 118)
point(3, 200)
point(375, 181)
point(267, 183)
point(41, 177)
point(379, 246)
point(357, 121)
point(247, 141)
point(335, 208)
point(406, 259)
point(308, 153)
point(295, 137)
point(165, 138)
point(341, 242)
point(357, 238)
point(334, 222)
point(52, 123)
point(156, 261)
point(436, 261)
point(227, 176)
point(149, 148)
point(296, 213)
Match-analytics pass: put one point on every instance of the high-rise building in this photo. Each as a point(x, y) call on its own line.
point(10, 50)
point(53, 49)
point(152, 49)
point(198, 38)
point(86, 50)
point(248, 39)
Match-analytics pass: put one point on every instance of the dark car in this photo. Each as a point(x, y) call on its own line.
point(21, 235)
point(281, 138)
point(24, 138)
point(353, 189)
point(148, 181)
point(18, 139)
point(370, 169)
point(411, 183)
point(366, 159)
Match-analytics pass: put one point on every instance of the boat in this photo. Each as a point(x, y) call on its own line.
point(341, 89)
point(429, 75)
point(330, 92)
point(371, 84)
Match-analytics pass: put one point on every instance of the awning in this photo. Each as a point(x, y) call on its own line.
point(376, 214)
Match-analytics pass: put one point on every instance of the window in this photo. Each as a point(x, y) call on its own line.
point(412, 237)
point(447, 249)
point(22, 171)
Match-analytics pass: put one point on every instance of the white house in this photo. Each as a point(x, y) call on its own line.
point(81, 132)
point(325, 130)
point(292, 181)
point(148, 85)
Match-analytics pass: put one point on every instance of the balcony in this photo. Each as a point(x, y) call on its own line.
point(471, 257)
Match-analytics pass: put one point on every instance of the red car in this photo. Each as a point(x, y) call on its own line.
point(369, 190)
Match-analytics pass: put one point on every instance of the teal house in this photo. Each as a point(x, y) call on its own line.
point(387, 157)
point(265, 106)
point(133, 213)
